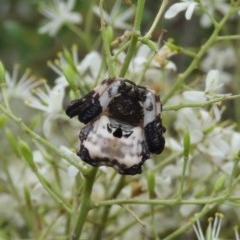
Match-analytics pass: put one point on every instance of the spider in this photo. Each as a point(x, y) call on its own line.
point(123, 125)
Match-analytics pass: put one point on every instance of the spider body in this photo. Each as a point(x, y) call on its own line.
point(123, 125)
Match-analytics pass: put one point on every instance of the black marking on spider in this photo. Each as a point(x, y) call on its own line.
point(123, 125)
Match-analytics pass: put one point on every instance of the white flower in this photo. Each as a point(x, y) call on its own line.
point(212, 81)
point(72, 171)
point(118, 17)
point(88, 69)
point(213, 229)
point(59, 12)
point(49, 101)
point(161, 59)
point(212, 86)
point(216, 145)
point(235, 143)
point(227, 60)
point(188, 118)
point(188, 5)
point(174, 145)
point(20, 87)
point(219, 143)
point(237, 237)
point(144, 61)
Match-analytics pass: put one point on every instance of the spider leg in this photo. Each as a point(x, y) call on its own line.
point(153, 123)
point(96, 101)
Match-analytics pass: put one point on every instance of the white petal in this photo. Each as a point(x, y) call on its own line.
point(235, 142)
point(171, 66)
point(212, 81)
point(196, 136)
point(194, 96)
point(72, 171)
point(205, 21)
point(187, 210)
point(227, 167)
point(38, 157)
point(217, 112)
point(87, 63)
point(190, 10)
point(174, 145)
point(175, 9)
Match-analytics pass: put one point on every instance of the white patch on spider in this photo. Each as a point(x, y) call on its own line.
point(106, 97)
point(149, 115)
point(126, 150)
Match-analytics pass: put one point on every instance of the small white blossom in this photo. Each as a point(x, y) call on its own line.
point(227, 60)
point(72, 171)
point(212, 86)
point(88, 69)
point(143, 58)
point(213, 229)
point(49, 101)
point(176, 8)
point(20, 87)
point(188, 118)
point(174, 145)
point(117, 18)
point(161, 59)
point(213, 81)
point(59, 13)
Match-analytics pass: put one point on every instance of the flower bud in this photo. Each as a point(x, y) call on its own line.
point(186, 143)
point(2, 73)
point(12, 140)
point(219, 184)
point(26, 153)
point(151, 183)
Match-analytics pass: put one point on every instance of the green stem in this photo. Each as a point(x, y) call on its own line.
point(46, 232)
point(199, 104)
point(156, 20)
point(106, 45)
point(139, 14)
point(129, 56)
point(193, 65)
point(233, 174)
point(163, 202)
point(228, 37)
point(86, 204)
point(106, 210)
point(55, 194)
point(134, 38)
point(180, 191)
